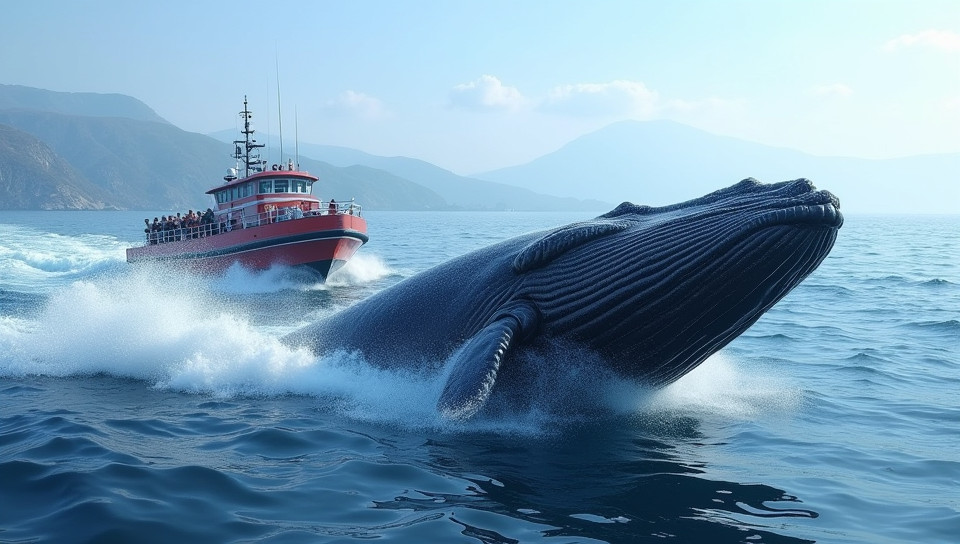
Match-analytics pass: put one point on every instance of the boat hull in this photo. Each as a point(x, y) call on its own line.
point(321, 243)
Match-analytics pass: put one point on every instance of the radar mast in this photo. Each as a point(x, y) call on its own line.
point(246, 149)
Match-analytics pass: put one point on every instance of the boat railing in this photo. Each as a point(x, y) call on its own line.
point(237, 220)
point(291, 213)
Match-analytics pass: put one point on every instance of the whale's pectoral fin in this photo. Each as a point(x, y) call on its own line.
point(475, 364)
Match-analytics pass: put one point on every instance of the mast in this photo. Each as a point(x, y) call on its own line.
point(251, 161)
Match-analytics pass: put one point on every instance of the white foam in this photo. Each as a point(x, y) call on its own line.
point(362, 268)
point(175, 334)
point(32, 260)
point(723, 387)
point(243, 281)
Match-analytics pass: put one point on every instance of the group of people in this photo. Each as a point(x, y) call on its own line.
point(172, 228)
point(169, 228)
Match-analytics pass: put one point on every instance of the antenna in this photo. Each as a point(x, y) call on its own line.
point(279, 110)
point(269, 129)
point(296, 133)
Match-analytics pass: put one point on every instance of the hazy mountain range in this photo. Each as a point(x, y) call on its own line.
point(110, 151)
point(661, 162)
point(75, 151)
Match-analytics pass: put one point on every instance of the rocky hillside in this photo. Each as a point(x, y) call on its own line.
point(33, 176)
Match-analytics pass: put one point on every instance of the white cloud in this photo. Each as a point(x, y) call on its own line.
point(680, 106)
point(487, 93)
point(356, 104)
point(937, 39)
point(617, 98)
point(835, 89)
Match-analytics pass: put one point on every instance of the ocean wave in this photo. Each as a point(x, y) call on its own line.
point(121, 502)
point(30, 257)
point(950, 326)
point(937, 282)
point(864, 362)
point(769, 336)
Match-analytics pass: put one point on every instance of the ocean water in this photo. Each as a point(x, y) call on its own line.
point(150, 405)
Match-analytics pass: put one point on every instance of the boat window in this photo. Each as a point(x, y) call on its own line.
point(235, 193)
point(248, 189)
point(266, 186)
point(280, 186)
point(299, 186)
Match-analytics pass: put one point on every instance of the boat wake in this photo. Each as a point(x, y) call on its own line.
point(361, 270)
point(31, 260)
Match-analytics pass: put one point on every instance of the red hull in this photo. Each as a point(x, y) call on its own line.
point(323, 243)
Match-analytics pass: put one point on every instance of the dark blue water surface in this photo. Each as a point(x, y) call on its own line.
point(149, 405)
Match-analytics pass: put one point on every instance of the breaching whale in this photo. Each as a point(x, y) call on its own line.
point(651, 291)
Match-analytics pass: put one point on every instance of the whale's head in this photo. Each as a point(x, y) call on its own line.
point(656, 290)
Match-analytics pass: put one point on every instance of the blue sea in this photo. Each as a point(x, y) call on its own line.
point(142, 404)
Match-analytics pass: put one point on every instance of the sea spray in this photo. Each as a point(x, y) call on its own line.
point(363, 268)
point(31, 258)
point(360, 270)
point(723, 387)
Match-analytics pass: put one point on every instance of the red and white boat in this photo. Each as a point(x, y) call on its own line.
point(267, 217)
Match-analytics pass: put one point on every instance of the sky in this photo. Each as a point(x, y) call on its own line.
point(473, 85)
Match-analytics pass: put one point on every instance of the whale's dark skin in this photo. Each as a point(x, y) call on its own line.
point(652, 291)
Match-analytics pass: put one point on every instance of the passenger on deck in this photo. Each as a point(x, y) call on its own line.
point(191, 224)
point(206, 223)
point(332, 209)
point(148, 231)
point(155, 230)
point(167, 227)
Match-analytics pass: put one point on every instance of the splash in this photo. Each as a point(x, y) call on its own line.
point(31, 260)
point(722, 387)
point(175, 333)
point(178, 332)
point(362, 268)
point(238, 280)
